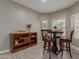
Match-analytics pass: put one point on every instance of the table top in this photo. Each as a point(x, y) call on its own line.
point(56, 32)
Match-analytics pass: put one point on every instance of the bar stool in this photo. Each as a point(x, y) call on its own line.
point(65, 43)
point(47, 41)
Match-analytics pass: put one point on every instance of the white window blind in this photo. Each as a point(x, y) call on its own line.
point(45, 24)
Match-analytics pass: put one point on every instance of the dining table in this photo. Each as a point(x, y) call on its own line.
point(55, 36)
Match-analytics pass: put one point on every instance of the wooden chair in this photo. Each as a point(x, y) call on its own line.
point(65, 43)
point(46, 37)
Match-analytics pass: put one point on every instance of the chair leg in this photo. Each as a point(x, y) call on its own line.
point(49, 54)
point(49, 49)
point(67, 47)
point(62, 49)
point(44, 47)
point(70, 51)
point(61, 52)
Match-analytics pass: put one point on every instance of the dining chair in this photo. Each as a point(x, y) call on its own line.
point(65, 43)
point(46, 37)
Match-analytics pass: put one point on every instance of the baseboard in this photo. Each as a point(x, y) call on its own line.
point(75, 49)
point(4, 51)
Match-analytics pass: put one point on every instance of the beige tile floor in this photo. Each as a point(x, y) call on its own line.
point(35, 52)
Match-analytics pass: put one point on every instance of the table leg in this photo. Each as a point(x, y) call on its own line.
point(55, 48)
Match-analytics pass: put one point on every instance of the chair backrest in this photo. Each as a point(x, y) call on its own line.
point(45, 33)
point(71, 35)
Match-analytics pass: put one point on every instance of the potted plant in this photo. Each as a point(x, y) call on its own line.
point(55, 27)
point(28, 27)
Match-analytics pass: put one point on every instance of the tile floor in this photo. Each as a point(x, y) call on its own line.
point(35, 52)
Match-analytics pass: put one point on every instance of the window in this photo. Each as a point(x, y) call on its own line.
point(75, 24)
point(45, 24)
point(61, 24)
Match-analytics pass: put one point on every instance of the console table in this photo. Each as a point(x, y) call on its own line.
point(22, 40)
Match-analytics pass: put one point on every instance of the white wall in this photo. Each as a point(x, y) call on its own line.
point(14, 17)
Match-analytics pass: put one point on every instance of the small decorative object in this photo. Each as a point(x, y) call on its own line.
point(28, 27)
point(16, 42)
point(55, 27)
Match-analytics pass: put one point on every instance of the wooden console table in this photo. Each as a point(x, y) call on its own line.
point(22, 40)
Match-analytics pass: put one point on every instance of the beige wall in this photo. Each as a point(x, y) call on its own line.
point(75, 8)
point(14, 17)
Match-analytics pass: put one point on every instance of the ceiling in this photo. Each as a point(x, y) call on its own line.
point(46, 6)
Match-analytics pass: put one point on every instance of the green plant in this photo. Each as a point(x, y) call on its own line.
point(55, 27)
point(28, 27)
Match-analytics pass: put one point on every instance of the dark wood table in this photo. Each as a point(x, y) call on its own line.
point(54, 39)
